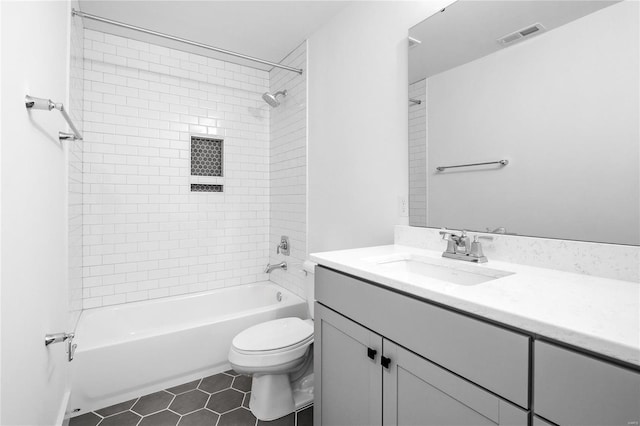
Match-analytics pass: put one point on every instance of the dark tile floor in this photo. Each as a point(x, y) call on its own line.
point(218, 400)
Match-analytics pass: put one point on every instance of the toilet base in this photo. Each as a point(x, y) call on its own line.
point(271, 396)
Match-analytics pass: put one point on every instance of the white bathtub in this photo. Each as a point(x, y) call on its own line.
point(129, 350)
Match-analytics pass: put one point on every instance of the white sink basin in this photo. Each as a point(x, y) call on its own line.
point(463, 274)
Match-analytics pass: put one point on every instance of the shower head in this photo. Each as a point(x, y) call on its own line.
point(273, 99)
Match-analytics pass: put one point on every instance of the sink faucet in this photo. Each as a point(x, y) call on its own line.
point(456, 243)
point(459, 247)
point(270, 267)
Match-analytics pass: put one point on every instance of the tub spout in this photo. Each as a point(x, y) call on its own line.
point(270, 267)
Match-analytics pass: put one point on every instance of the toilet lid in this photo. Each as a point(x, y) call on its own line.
point(272, 335)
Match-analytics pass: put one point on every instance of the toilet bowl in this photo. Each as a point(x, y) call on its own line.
point(278, 354)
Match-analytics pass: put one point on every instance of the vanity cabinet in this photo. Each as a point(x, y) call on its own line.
point(365, 379)
point(386, 358)
point(572, 388)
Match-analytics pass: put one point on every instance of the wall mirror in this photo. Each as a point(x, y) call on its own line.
point(551, 87)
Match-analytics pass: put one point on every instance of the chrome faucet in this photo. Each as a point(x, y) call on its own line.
point(283, 247)
point(459, 247)
point(270, 267)
point(456, 244)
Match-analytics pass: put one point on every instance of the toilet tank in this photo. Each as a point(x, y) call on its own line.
point(309, 284)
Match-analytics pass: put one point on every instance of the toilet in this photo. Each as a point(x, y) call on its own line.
point(278, 354)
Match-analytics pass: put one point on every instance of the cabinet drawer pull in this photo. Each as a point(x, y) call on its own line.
point(371, 353)
point(384, 361)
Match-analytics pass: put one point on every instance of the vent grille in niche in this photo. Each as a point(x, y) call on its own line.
point(206, 156)
point(199, 187)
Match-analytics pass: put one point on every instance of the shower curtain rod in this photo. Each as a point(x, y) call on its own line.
point(182, 40)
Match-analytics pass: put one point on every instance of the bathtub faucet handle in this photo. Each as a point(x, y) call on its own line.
point(283, 247)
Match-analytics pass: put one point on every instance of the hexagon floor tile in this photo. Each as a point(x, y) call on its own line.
point(226, 400)
point(218, 400)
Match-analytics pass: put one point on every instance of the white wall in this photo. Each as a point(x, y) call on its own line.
point(288, 171)
point(34, 213)
point(146, 235)
point(358, 118)
point(572, 145)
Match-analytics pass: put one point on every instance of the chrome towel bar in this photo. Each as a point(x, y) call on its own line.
point(39, 103)
point(501, 162)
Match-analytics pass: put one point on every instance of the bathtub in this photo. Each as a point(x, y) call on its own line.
point(125, 351)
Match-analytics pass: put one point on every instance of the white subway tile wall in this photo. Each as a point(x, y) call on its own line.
point(289, 171)
point(145, 234)
point(74, 152)
point(418, 154)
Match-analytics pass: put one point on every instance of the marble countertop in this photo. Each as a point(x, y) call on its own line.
point(598, 314)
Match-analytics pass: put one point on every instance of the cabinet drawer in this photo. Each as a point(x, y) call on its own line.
point(575, 389)
point(492, 357)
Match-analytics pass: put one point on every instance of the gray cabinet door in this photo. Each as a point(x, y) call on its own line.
point(348, 384)
point(418, 392)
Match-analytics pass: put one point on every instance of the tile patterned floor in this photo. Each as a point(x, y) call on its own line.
point(218, 400)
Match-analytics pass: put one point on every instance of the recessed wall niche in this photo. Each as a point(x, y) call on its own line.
point(207, 164)
point(206, 156)
point(199, 187)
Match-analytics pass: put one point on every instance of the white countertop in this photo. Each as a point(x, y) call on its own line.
point(598, 314)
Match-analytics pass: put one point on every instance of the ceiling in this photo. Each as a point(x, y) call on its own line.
point(468, 30)
point(264, 29)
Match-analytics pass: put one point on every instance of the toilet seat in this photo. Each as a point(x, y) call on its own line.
point(278, 345)
point(274, 336)
point(303, 343)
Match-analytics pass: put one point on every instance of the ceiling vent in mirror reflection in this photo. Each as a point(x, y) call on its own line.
point(530, 31)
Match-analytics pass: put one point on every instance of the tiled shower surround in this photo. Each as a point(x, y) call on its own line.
point(145, 233)
point(288, 171)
